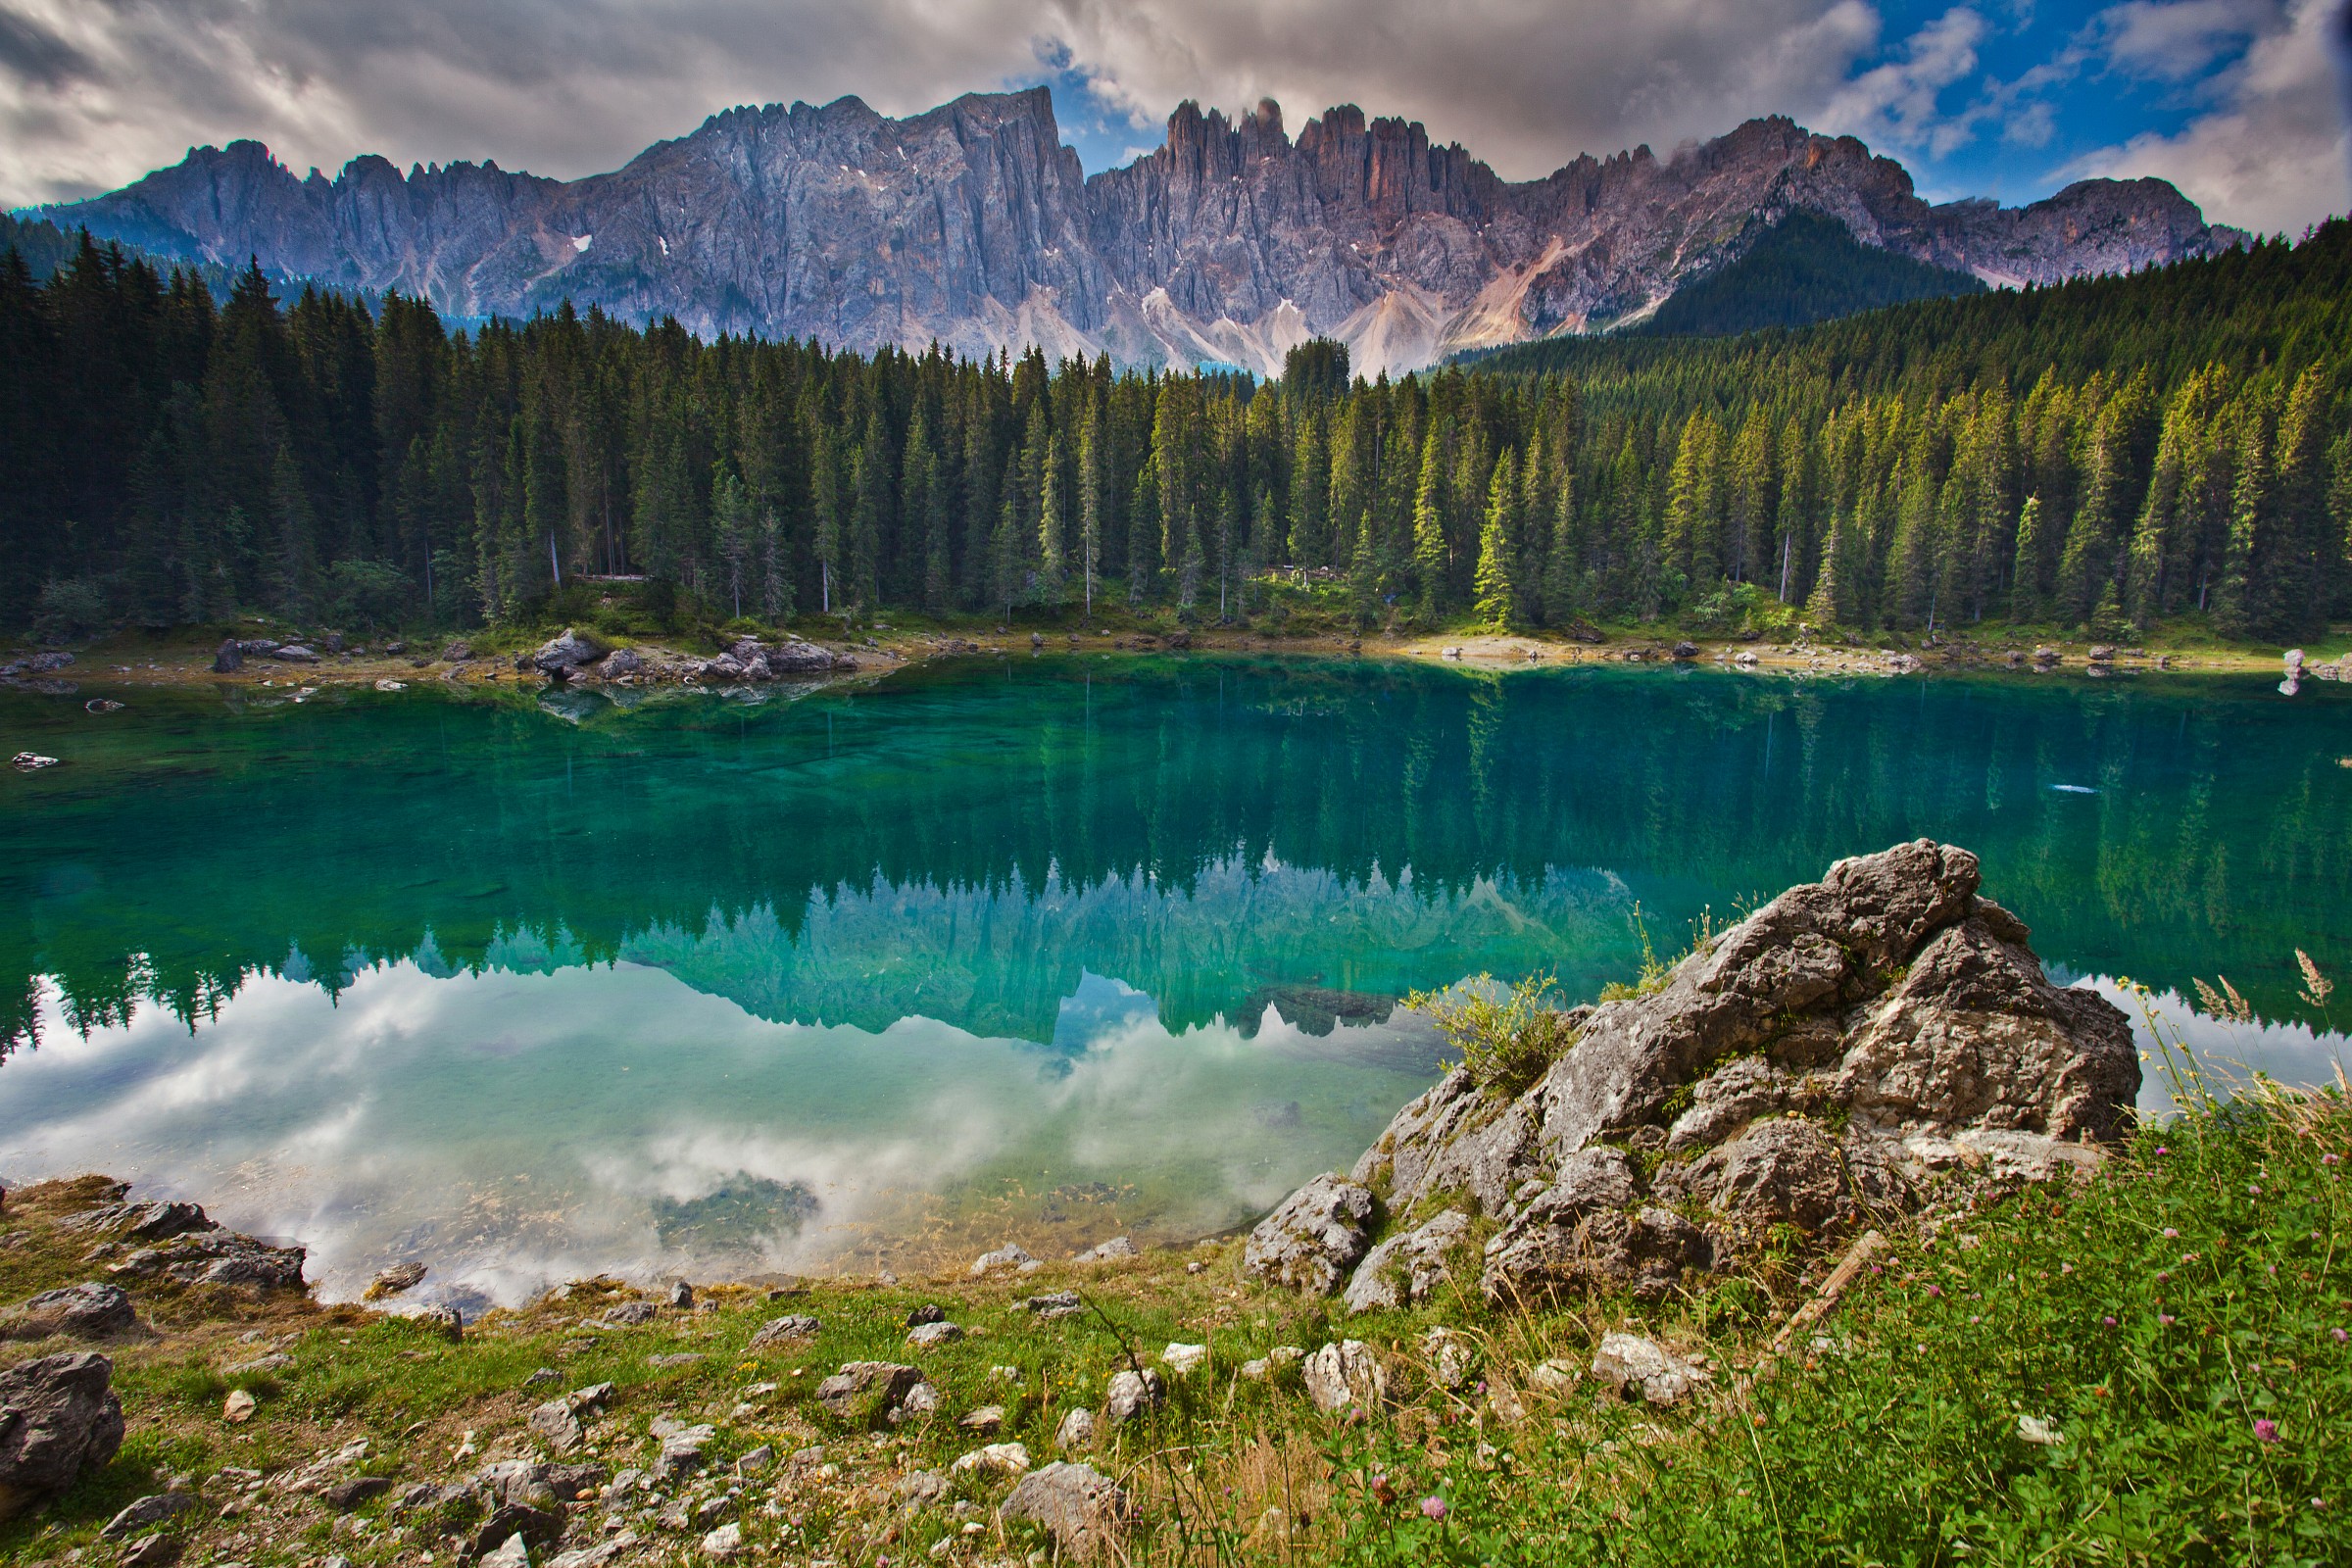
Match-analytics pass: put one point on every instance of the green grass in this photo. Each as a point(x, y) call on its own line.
point(2155, 1318)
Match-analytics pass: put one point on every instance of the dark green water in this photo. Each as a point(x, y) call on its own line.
point(1047, 948)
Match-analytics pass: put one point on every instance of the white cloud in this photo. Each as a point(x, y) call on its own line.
point(1899, 104)
point(2177, 40)
point(2274, 155)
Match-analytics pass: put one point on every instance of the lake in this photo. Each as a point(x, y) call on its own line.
point(1048, 948)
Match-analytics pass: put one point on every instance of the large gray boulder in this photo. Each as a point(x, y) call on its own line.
point(1841, 1051)
point(1315, 1238)
point(1408, 1266)
point(797, 658)
point(560, 656)
point(1084, 1510)
point(58, 1416)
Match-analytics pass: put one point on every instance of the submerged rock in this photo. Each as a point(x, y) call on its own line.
point(1834, 1053)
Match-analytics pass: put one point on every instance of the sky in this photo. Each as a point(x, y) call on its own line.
point(2240, 103)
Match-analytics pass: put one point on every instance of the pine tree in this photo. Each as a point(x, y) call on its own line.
point(2025, 593)
point(1429, 522)
point(1561, 560)
point(2238, 597)
point(824, 506)
point(1497, 604)
point(1052, 527)
point(294, 555)
point(1091, 438)
point(735, 532)
point(1310, 543)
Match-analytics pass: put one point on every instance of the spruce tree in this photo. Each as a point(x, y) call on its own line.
point(1429, 522)
point(1497, 604)
point(1052, 527)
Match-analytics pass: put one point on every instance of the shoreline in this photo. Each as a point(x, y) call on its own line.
point(669, 664)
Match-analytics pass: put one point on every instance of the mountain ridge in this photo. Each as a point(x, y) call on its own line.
point(972, 224)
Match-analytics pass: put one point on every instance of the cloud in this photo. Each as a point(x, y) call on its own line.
point(1899, 104)
point(2177, 40)
point(2273, 154)
point(95, 92)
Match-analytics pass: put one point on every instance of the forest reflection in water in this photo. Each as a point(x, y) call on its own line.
point(1052, 947)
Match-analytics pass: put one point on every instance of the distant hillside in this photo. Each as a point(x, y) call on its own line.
point(1805, 268)
point(47, 249)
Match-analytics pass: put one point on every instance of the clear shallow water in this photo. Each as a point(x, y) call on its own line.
point(1049, 949)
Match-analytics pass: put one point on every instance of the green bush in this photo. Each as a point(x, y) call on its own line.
point(71, 608)
point(1508, 1036)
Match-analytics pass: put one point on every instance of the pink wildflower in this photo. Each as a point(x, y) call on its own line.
point(1433, 1508)
point(2265, 1430)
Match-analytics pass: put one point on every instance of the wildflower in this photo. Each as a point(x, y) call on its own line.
point(2066, 1268)
point(1381, 1487)
point(2108, 1321)
point(2162, 1149)
point(1433, 1508)
point(2171, 1234)
point(2327, 1159)
point(2340, 1335)
point(2163, 1320)
point(2255, 1190)
point(2265, 1430)
point(1976, 1317)
point(1934, 1290)
point(2163, 1274)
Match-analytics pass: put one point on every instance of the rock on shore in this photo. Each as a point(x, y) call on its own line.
point(1831, 1056)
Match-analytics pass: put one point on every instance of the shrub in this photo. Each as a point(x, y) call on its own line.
point(1508, 1036)
point(369, 594)
point(71, 608)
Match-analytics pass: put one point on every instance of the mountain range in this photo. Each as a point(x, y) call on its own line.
point(974, 227)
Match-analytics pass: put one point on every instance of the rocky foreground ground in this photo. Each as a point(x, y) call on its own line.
point(1852, 1188)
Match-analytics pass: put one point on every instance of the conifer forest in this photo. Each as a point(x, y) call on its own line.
point(2103, 455)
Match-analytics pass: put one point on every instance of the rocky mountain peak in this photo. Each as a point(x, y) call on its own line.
point(972, 224)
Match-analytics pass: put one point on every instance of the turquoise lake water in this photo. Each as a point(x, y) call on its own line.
point(1041, 948)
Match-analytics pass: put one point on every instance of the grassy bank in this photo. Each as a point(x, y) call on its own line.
point(2150, 1366)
